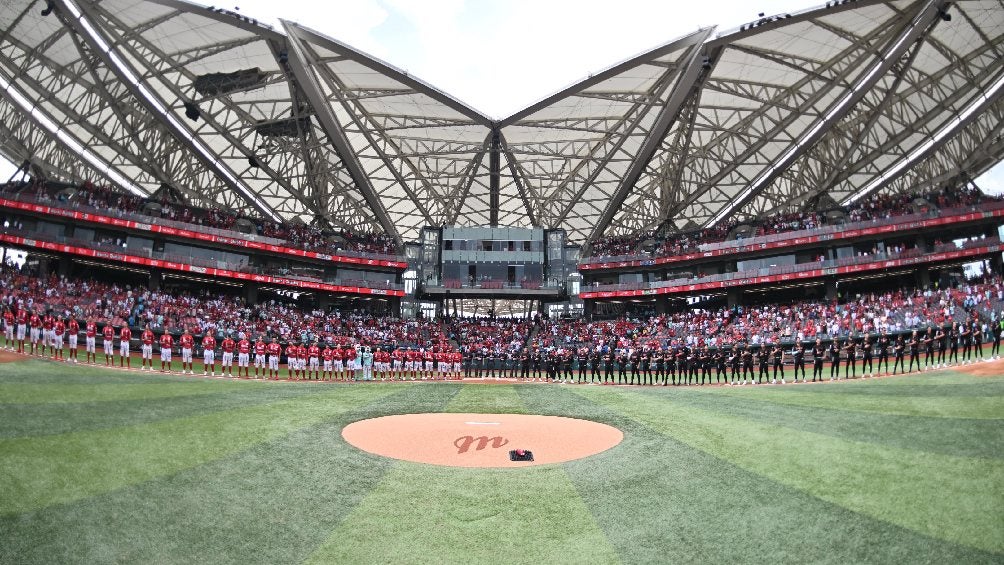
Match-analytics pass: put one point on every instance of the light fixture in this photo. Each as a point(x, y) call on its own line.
point(192, 111)
point(49, 7)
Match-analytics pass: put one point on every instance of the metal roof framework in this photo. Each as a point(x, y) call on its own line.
point(846, 99)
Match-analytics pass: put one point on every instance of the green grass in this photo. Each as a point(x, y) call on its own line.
point(101, 466)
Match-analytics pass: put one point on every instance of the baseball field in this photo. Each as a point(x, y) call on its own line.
point(109, 466)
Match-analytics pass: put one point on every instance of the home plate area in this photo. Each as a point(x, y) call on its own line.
point(481, 440)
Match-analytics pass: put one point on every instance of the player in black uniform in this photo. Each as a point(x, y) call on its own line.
point(706, 364)
point(798, 359)
point(748, 365)
point(899, 350)
point(850, 351)
point(818, 353)
point(996, 330)
point(834, 359)
point(659, 364)
point(965, 338)
point(721, 360)
point(735, 360)
point(883, 351)
point(977, 341)
point(566, 363)
point(866, 357)
point(594, 366)
point(763, 358)
point(524, 365)
point(914, 351)
point(621, 360)
point(928, 343)
point(778, 357)
point(634, 362)
point(953, 344)
point(940, 338)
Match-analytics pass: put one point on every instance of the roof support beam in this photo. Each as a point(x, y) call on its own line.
point(941, 138)
point(300, 64)
point(386, 69)
point(698, 36)
point(494, 174)
point(102, 46)
point(887, 99)
point(470, 173)
point(921, 23)
point(517, 177)
point(692, 71)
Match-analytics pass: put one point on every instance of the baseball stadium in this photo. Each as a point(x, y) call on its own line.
point(736, 299)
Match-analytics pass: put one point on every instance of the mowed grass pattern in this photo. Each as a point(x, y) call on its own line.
point(100, 466)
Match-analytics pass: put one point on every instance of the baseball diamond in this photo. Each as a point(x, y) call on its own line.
point(736, 298)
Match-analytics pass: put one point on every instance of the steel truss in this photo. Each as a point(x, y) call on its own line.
point(834, 101)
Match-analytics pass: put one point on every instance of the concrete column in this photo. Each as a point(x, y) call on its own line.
point(733, 297)
point(923, 276)
point(587, 309)
point(155, 279)
point(251, 293)
point(63, 269)
point(661, 304)
point(831, 288)
point(997, 264)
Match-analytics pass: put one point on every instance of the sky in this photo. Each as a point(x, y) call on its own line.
point(501, 56)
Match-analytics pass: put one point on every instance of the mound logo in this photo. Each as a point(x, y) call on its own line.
point(464, 443)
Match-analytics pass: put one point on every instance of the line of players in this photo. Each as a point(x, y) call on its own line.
point(737, 366)
point(678, 365)
point(43, 335)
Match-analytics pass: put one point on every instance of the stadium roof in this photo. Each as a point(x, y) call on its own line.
point(841, 100)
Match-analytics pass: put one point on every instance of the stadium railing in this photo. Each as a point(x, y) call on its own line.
point(231, 234)
point(795, 235)
point(789, 269)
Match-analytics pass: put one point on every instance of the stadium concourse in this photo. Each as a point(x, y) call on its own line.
point(727, 345)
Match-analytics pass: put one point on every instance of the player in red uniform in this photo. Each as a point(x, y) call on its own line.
point(90, 336)
point(457, 360)
point(292, 365)
point(146, 348)
point(58, 332)
point(8, 328)
point(274, 353)
point(350, 361)
point(314, 355)
point(208, 353)
point(328, 355)
point(48, 322)
point(73, 329)
point(338, 362)
point(243, 357)
point(108, 333)
point(125, 334)
point(166, 343)
point(259, 357)
point(429, 359)
point(301, 359)
point(35, 325)
point(22, 325)
point(228, 345)
point(187, 342)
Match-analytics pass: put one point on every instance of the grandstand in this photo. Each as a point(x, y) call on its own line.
point(731, 206)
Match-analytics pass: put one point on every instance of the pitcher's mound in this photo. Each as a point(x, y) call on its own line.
point(481, 440)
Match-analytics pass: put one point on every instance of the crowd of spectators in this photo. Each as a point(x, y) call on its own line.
point(875, 207)
point(295, 235)
point(892, 312)
point(221, 314)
